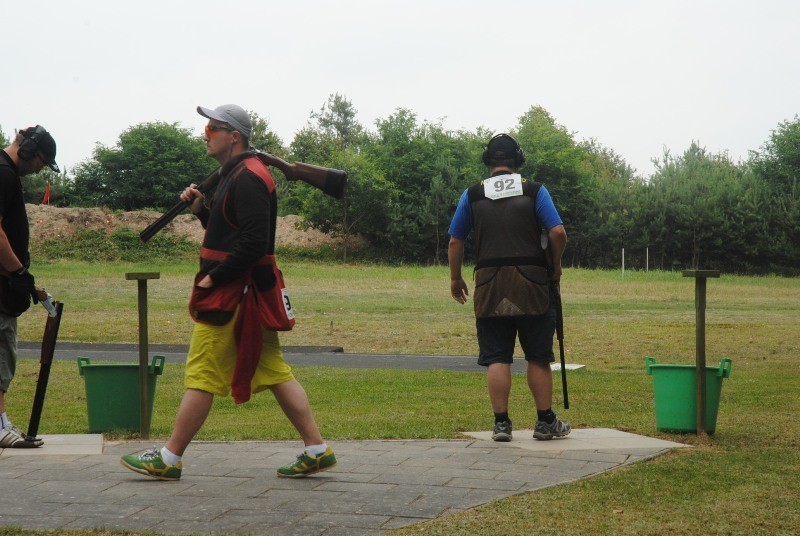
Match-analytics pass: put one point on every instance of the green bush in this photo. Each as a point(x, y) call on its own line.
point(124, 245)
point(327, 253)
point(118, 245)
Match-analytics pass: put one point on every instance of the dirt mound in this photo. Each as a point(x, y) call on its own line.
point(48, 223)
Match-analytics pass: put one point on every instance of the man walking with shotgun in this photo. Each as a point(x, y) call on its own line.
point(32, 149)
point(513, 220)
point(238, 304)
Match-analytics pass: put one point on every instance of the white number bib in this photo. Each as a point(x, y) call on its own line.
point(503, 186)
point(287, 305)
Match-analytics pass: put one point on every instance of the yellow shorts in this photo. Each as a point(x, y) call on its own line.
point(212, 360)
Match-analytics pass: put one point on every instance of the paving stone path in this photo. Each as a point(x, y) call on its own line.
point(77, 482)
point(232, 487)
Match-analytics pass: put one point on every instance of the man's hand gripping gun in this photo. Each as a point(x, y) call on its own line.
point(47, 301)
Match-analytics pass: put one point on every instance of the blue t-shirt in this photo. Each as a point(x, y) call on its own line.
point(546, 212)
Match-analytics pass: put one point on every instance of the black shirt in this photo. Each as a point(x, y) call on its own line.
point(12, 208)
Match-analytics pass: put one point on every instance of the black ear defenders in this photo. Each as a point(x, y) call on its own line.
point(519, 154)
point(30, 144)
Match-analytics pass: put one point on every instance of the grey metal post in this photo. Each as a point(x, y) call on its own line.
point(144, 402)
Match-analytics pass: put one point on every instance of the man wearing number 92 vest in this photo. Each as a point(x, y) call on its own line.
point(512, 220)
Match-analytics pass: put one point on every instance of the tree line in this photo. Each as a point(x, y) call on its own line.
point(697, 210)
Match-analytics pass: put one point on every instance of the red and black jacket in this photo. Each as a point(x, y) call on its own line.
point(240, 223)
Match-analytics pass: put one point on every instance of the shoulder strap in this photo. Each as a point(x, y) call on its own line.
point(531, 189)
point(475, 193)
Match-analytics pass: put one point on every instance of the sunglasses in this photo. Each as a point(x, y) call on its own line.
point(211, 129)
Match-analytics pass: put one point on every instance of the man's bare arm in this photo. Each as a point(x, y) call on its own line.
point(455, 257)
point(558, 242)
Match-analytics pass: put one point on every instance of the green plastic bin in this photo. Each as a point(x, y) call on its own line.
point(675, 388)
point(113, 395)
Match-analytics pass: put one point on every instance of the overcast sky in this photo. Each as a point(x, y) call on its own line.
point(636, 75)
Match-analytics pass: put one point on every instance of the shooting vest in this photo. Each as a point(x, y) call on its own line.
point(221, 227)
point(511, 276)
point(264, 281)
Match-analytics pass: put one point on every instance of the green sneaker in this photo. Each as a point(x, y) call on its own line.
point(149, 463)
point(307, 465)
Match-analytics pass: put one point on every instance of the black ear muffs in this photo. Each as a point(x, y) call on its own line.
point(30, 143)
point(519, 154)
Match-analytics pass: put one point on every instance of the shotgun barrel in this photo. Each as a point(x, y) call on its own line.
point(48, 350)
point(206, 186)
point(560, 336)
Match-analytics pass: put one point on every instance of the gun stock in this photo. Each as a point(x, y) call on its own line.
point(332, 182)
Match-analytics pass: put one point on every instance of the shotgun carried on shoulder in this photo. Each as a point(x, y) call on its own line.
point(331, 181)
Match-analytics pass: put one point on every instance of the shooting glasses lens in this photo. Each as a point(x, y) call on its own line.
point(211, 129)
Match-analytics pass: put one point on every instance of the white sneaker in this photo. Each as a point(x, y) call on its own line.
point(12, 438)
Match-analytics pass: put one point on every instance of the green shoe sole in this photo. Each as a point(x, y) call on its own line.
point(308, 473)
point(145, 472)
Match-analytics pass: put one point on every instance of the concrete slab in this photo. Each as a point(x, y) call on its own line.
point(581, 439)
point(62, 445)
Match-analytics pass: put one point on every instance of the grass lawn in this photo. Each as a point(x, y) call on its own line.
point(743, 481)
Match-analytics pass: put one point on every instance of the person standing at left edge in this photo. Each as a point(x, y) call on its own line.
point(231, 350)
point(32, 149)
